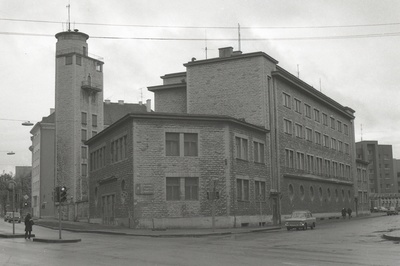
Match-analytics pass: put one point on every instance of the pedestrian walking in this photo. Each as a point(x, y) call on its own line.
point(344, 213)
point(28, 226)
point(349, 211)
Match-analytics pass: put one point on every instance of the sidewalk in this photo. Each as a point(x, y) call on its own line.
point(84, 227)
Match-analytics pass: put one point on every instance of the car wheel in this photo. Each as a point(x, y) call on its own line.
point(305, 227)
point(288, 228)
point(312, 227)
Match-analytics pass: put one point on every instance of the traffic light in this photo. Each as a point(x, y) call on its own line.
point(57, 194)
point(63, 194)
point(25, 204)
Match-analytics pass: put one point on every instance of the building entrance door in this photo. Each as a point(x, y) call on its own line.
point(108, 209)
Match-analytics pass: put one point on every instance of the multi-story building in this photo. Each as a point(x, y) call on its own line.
point(312, 136)
point(396, 173)
point(362, 186)
point(309, 152)
point(382, 181)
point(43, 165)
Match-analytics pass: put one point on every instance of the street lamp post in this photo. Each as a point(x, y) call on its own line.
point(11, 186)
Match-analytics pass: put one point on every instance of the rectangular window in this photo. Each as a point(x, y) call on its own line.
point(325, 119)
point(289, 162)
point(310, 163)
point(190, 144)
point(307, 110)
point(346, 148)
point(297, 105)
point(172, 144)
point(99, 67)
point(84, 169)
point(68, 60)
point(333, 125)
point(339, 126)
point(317, 138)
point(327, 167)
point(83, 134)
point(326, 141)
point(300, 160)
point(287, 126)
point(299, 130)
point(83, 118)
point(84, 152)
point(317, 116)
point(94, 120)
point(258, 152)
point(191, 188)
point(260, 190)
point(173, 185)
point(79, 60)
point(319, 165)
point(333, 144)
point(309, 136)
point(118, 149)
point(346, 129)
point(340, 146)
point(242, 189)
point(241, 148)
point(286, 100)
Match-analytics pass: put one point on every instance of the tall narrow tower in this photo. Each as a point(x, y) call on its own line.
point(79, 114)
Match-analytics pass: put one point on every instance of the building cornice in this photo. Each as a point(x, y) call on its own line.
point(181, 85)
point(310, 177)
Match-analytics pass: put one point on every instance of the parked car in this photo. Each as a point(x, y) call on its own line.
point(382, 209)
point(392, 211)
point(9, 217)
point(301, 220)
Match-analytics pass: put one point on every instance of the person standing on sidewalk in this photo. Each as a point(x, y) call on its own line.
point(28, 226)
point(344, 213)
point(349, 211)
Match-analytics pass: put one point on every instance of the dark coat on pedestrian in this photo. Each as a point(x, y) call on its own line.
point(28, 223)
point(349, 211)
point(344, 212)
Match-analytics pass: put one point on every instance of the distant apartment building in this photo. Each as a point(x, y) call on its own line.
point(396, 173)
point(383, 185)
point(308, 149)
point(362, 187)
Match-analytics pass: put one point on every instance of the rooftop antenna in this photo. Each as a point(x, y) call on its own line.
point(240, 48)
point(205, 49)
point(141, 94)
point(320, 86)
point(298, 71)
point(361, 133)
point(69, 16)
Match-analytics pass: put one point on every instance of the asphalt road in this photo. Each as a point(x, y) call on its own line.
point(349, 242)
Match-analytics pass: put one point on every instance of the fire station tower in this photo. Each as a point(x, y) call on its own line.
point(78, 115)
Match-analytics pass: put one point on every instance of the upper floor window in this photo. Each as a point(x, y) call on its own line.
point(346, 129)
point(317, 115)
point(98, 158)
point(84, 118)
point(94, 120)
point(79, 60)
point(258, 152)
point(83, 134)
point(326, 141)
point(99, 67)
point(299, 130)
point(317, 138)
point(289, 158)
point(309, 134)
point(286, 100)
point(307, 110)
point(287, 126)
point(297, 105)
point(339, 126)
point(118, 149)
point(241, 148)
point(174, 142)
point(325, 119)
point(68, 60)
point(333, 125)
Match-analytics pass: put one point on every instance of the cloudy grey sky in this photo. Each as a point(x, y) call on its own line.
point(348, 49)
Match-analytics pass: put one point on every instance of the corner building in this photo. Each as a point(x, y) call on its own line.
point(311, 146)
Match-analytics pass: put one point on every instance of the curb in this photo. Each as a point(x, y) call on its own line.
point(164, 235)
point(43, 240)
point(15, 235)
point(392, 238)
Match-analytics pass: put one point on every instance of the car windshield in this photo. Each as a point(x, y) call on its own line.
point(298, 215)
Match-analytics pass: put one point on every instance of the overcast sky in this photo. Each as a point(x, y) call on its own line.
point(347, 49)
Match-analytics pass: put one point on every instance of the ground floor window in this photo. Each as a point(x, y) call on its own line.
point(242, 189)
point(187, 186)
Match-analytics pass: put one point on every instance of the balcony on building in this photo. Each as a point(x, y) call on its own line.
point(90, 86)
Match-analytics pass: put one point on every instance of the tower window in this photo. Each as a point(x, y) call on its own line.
point(79, 60)
point(68, 60)
point(99, 67)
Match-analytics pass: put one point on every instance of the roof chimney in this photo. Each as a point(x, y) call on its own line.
point(148, 105)
point(225, 52)
point(107, 101)
point(52, 110)
point(121, 102)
